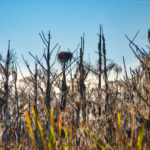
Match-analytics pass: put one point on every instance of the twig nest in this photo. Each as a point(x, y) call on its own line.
point(64, 57)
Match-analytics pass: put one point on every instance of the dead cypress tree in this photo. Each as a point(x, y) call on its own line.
point(47, 69)
point(18, 119)
point(35, 99)
point(64, 58)
point(149, 35)
point(34, 79)
point(82, 74)
point(82, 77)
point(105, 72)
point(117, 70)
point(6, 70)
point(100, 66)
point(125, 69)
point(100, 57)
point(48, 87)
point(35, 87)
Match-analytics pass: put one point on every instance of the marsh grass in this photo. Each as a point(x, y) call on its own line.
point(53, 140)
point(114, 116)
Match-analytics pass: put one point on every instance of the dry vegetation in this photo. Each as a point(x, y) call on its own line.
point(112, 115)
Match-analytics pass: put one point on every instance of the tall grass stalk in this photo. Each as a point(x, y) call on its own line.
point(140, 138)
point(28, 120)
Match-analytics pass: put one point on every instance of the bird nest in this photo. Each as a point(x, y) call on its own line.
point(64, 57)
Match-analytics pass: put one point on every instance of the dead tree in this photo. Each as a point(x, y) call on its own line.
point(18, 118)
point(47, 58)
point(47, 70)
point(7, 67)
point(124, 64)
point(100, 58)
point(105, 72)
point(34, 78)
point(6, 75)
point(64, 58)
point(35, 99)
point(81, 85)
point(117, 70)
point(149, 35)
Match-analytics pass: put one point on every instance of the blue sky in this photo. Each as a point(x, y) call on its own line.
point(22, 20)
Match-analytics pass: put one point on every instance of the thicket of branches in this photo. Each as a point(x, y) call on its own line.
point(74, 101)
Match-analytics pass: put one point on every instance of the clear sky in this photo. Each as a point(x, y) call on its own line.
point(22, 20)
